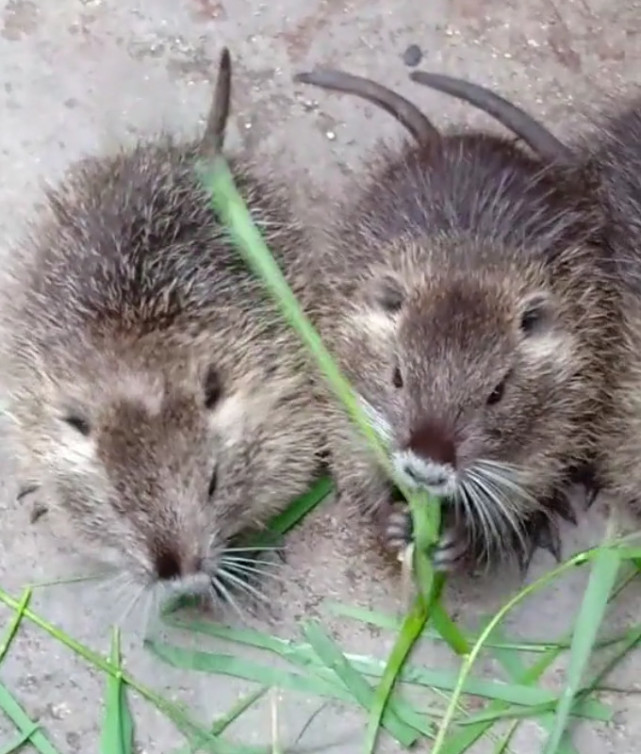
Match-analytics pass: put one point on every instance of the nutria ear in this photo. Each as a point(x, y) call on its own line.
point(537, 313)
point(387, 291)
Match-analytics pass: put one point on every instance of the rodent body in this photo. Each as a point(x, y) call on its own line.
point(466, 303)
point(606, 161)
point(154, 384)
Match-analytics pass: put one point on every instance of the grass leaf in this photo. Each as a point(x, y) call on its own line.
point(224, 664)
point(360, 689)
point(22, 740)
point(595, 599)
point(14, 625)
point(14, 711)
point(117, 735)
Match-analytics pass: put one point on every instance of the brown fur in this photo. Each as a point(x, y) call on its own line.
point(611, 155)
point(428, 271)
point(130, 310)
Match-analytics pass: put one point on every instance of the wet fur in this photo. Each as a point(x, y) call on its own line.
point(129, 306)
point(467, 228)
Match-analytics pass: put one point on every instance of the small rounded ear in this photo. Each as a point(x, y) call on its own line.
point(537, 313)
point(387, 292)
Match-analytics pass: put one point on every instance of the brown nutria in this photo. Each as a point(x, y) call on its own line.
point(607, 161)
point(462, 295)
point(152, 382)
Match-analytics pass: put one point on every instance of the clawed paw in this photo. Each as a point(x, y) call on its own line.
point(448, 553)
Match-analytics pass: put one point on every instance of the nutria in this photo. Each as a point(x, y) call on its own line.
point(607, 161)
point(153, 384)
point(462, 294)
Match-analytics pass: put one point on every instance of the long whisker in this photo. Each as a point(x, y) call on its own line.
point(130, 606)
point(267, 563)
point(242, 568)
point(507, 476)
point(217, 584)
point(500, 485)
point(484, 497)
point(229, 576)
point(478, 511)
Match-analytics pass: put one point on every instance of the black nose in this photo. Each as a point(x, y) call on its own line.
point(167, 565)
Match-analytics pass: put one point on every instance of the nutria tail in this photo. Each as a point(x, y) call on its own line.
point(402, 109)
point(214, 136)
point(535, 135)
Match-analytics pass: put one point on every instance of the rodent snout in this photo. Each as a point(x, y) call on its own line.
point(428, 459)
point(170, 565)
point(432, 439)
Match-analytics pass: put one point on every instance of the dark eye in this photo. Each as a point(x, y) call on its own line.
point(397, 378)
point(79, 424)
point(213, 388)
point(213, 483)
point(495, 396)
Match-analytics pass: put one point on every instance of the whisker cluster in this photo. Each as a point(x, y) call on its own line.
point(493, 499)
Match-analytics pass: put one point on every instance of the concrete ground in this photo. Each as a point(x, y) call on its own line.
point(78, 76)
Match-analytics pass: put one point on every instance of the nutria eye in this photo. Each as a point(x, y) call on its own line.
point(79, 424)
point(213, 483)
point(495, 396)
point(213, 388)
point(397, 378)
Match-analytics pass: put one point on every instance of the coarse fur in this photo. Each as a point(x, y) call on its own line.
point(154, 386)
point(465, 300)
point(612, 155)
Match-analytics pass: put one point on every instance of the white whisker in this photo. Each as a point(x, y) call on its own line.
point(229, 576)
point(229, 600)
point(227, 566)
point(268, 563)
point(130, 606)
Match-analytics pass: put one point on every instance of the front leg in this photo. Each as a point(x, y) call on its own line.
point(396, 528)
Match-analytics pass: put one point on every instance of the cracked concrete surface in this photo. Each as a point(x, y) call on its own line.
point(78, 76)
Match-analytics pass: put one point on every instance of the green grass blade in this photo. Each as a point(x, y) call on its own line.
point(283, 522)
point(410, 631)
point(117, 736)
point(228, 203)
point(230, 206)
point(192, 730)
point(503, 745)
point(595, 599)
point(468, 662)
point(362, 692)
point(14, 625)
point(302, 654)
point(22, 740)
point(223, 664)
point(242, 705)
point(392, 623)
point(14, 711)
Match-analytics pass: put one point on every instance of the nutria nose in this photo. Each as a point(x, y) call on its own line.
point(433, 439)
point(167, 565)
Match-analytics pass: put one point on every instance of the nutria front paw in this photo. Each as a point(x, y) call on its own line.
point(449, 551)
